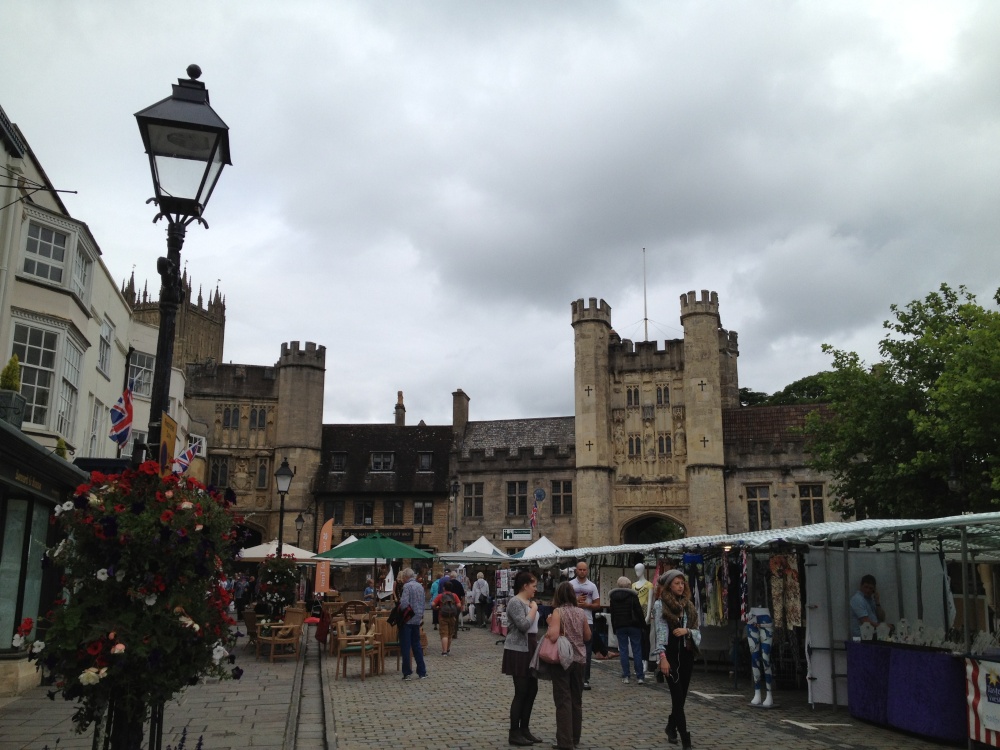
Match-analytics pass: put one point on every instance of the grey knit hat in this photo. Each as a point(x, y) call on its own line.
point(666, 578)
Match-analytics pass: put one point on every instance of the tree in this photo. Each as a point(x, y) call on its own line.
point(808, 390)
point(917, 434)
point(752, 398)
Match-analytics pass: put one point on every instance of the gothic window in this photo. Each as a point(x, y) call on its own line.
point(253, 419)
point(517, 498)
point(634, 445)
point(632, 395)
point(562, 497)
point(759, 507)
point(219, 471)
point(473, 500)
point(811, 503)
point(662, 395)
point(227, 415)
point(663, 443)
point(262, 474)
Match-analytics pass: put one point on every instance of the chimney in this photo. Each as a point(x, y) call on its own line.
point(459, 413)
point(400, 410)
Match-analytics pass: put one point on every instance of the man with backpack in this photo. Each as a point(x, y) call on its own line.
point(448, 605)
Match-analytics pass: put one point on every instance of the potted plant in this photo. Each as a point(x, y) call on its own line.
point(144, 611)
point(12, 403)
point(276, 587)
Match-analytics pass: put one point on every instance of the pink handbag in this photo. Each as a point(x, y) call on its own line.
point(548, 651)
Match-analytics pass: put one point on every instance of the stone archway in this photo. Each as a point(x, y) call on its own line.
point(650, 528)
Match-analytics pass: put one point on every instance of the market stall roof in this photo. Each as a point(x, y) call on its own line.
point(481, 551)
point(541, 547)
point(981, 531)
point(263, 551)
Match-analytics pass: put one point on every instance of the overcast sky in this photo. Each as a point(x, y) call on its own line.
point(425, 187)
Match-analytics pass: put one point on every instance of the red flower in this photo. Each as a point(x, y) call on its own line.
point(25, 627)
point(119, 508)
point(166, 516)
point(94, 648)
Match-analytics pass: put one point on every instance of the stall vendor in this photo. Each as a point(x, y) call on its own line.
point(865, 606)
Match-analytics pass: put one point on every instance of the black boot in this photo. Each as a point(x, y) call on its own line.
point(529, 736)
point(671, 730)
point(514, 737)
point(686, 741)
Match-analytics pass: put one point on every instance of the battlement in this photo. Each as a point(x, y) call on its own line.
point(691, 305)
point(600, 312)
point(628, 356)
point(311, 355)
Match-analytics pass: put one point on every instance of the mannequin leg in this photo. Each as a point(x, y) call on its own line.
point(766, 636)
point(753, 640)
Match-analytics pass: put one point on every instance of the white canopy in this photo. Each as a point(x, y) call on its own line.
point(482, 544)
point(263, 551)
point(540, 548)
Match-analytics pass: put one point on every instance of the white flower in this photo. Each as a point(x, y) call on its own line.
point(57, 511)
point(92, 675)
point(17, 641)
point(37, 646)
point(186, 505)
point(219, 653)
point(102, 574)
point(94, 500)
point(150, 600)
point(68, 505)
point(120, 576)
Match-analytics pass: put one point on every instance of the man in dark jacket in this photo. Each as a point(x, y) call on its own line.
point(627, 619)
point(455, 586)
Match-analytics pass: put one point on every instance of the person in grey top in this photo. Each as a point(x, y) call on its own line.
point(409, 632)
point(518, 648)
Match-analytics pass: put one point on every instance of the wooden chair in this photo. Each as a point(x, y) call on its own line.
point(388, 638)
point(250, 621)
point(363, 646)
point(286, 633)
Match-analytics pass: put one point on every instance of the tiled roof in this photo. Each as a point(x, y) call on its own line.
point(514, 434)
point(359, 441)
point(772, 424)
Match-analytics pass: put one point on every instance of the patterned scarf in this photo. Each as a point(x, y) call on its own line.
point(678, 611)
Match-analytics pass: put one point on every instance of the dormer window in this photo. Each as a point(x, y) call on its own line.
point(338, 461)
point(424, 461)
point(382, 462)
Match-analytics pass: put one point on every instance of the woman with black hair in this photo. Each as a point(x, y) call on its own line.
point(676, 621)
point(518, 648)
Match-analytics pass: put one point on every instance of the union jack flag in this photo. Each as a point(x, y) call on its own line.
point(534, 515)
point(121, 418)
point(183, 461)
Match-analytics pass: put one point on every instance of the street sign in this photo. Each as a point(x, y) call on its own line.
point(514, 535)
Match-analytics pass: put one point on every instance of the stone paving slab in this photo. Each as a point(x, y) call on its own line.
point(252, 712)
point(465, 700)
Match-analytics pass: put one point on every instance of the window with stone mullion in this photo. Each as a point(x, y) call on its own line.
point(517, 498)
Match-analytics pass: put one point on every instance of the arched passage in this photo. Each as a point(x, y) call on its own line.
point(650, 528)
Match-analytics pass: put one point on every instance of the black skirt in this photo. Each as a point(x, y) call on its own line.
point(516, 663)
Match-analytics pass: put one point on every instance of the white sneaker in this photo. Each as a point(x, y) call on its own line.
point(624, 680)
point(640, 681)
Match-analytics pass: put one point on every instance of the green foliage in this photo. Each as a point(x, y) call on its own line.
point(752, 398)
point(811, 389)
point(929, 412)
point(143, 611)
point(61, 449)
point(10, 376)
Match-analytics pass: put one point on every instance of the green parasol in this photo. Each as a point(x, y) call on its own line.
point(376, 547)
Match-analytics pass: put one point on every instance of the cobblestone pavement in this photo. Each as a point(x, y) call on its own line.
point(464, 704)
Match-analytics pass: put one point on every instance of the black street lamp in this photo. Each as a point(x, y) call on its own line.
point(299, 523)
point(188, 145)
point(283, 480)
point(454, 529)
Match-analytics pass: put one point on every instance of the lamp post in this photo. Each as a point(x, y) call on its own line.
point(188, 145)
point(454, 502)
point(283, 480)
point(299, 523)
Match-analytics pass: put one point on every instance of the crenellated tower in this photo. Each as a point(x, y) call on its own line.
point(706, 344)
point(301, 373)
point(594, 465)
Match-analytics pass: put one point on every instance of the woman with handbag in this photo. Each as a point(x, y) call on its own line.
point(518, 647)
point(568, 620)
point(676, 625)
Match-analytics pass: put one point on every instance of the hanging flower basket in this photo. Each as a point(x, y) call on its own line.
point(143, 612)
